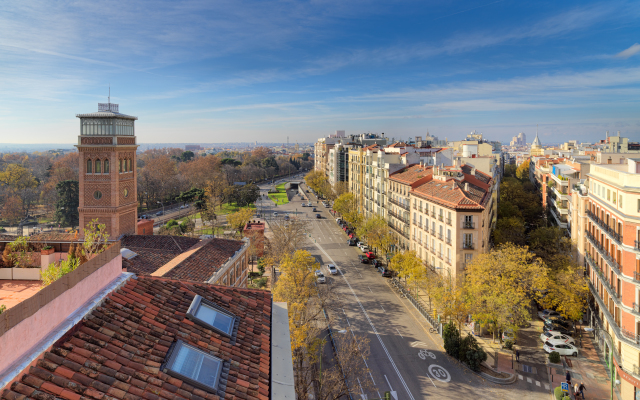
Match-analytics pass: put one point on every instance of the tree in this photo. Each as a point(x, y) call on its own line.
point(347, 206)
point(12, 210)
point(568, 292)
point(501, 285)
point(522, 172)
point(552, 245)
point(96, 238)
point(451, 339)
point(67, 204)
point(287, 237)
point(238, 220)
point(20, 255)
point(317, 181)
point(450, 296)
point(509, 230)
point(410, 267)
point(378, 234)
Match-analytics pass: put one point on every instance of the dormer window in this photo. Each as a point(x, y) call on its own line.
point(209, 315)
point(192, 365)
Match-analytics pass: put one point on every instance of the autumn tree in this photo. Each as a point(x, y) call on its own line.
point(347, 206)
point(449, 295)
point(522, 172)
point(96, 238)
point(377, 232)
point(239, 219)
point(509, 230)
point(552, 245)
point(410, 267)
point(501, 285)
point(286, 238)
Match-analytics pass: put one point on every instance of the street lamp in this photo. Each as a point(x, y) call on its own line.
point(323, 339)
point(160, 202)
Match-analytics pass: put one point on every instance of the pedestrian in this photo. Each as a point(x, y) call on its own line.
point(569, 378)
point(518, 355)
point(575, 388)
point(581, 389)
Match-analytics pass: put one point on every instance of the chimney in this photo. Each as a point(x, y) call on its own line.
point(466, 186)
point(473, 171)
point(618, 133)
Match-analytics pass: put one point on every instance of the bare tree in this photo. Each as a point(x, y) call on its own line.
point(287, 237)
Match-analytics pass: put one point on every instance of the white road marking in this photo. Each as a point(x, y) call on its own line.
point(399, 333)
point(370, 289)
point(434, 385)
point(439, 373)
point(385, 378)
point(382, 307)
point(417, 344)
point(364, 396)
point(529, 380)
point(537, 383)
point(375, 331)
point(345, 317)
point(520, 376)
point(546, 386)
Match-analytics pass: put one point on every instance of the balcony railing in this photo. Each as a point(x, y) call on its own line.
point(397, 203)
point(440, 218)
point(636, 307)
point(606, 228)
point(611, 289)
point(433, 214)
point(439, 254)
point(400, 217)
point(440, 236)
point(447, 240)
point(468, 225)
point(400, 231)
point(630, 335)
point(468, 246)
point(636, 276)
point(447, 260)
point(637, 244)
point(448, 221)
point(603, 252)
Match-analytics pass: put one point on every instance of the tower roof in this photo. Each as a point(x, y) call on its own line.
point(536, 141)
point(106, 114)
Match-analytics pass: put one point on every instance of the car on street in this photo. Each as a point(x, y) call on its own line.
point(545, 314)
point(326, 205)
point(554, 337)
point(159, 213)
point(370, 255)
point(558, 328)
point(508, 334)
point(318, 216)
point(351, 242)
point(314, 209)
point(321, 278)
point(376, 263)
point(363, 259)
point(275, 214)
point(386, 272)
point(144, 217)
point(332, 269)
point(555, 319)
point(304, 204)
point(286, 217)
point(364, 248)
point(562, 349)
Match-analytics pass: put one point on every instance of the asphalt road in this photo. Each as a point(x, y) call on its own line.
point(405, 358)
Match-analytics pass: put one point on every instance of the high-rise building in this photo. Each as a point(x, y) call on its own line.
point(107, 184)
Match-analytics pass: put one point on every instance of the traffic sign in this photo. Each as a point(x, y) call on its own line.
point(564, 386)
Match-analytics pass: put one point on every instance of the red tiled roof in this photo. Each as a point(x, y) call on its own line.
point(202, 264)
point(452, 193)
point(411, 174)
point(117, 350)
point(371, 147)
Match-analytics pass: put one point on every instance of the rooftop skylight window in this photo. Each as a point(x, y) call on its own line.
point(210, 316)
point(194, 366)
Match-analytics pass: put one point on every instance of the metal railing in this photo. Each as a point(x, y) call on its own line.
point(604, 253)
point(636, 276)
point(637, 244)
point(468, 246)
point(603, 278)
point(448, 221)
point(400, 217)
point(468, 225)
point(397, 203)
point(606, 228)
point(440, 236)
point(422, 309)
point(405, 234)
point(440, 218)
point(447, 240)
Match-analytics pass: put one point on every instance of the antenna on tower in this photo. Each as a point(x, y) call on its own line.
point(109, 98)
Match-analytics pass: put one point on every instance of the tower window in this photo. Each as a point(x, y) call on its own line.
point(106, 166)
point(98, 166)
point(120, 161)
point(210, 316)
point(193, 365)
point(97, 195)
point(89, 166)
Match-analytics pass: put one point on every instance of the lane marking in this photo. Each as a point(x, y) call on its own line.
point(537, 383)
point(439, 373)
point(399, 333)
point(370, 289)
point(529, 380)
point(382, 308)
point(345, 317)
point(390, 387)
point(434, 385)
point(375, 331)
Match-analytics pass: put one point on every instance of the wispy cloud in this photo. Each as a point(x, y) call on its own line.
point(631, 51)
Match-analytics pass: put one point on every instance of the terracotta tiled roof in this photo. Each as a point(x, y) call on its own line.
point(202, 264)
point(117, 351)
point(399, 144)
point(371, 147)
point(155, 251)
point(411, 174)
point(456, 194)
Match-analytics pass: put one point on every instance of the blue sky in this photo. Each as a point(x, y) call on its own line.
point(220, 71)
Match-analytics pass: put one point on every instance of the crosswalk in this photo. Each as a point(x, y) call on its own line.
point(529, 380)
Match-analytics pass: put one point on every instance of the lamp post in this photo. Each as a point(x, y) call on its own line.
point(160, 202)
point(611, 350)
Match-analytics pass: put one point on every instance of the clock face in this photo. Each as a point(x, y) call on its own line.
point(126, 192)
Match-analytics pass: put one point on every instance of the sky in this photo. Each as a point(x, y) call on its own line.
point(206, 71)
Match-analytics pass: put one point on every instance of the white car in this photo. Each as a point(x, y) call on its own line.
point(320, 277)
point(545, 314)
point(508, 335)
point(555, 337)
point(562, 349)
point(332, 269)
point(364, 248)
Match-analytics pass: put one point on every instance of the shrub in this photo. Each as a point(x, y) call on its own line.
point(554, 357)
point(451, 337)
point(260, 283)
point(3, 308)
point(508, 345)
point(474, 355)
point(171, 223)
point(254, 275)
point(261, 266)
point(55, 272)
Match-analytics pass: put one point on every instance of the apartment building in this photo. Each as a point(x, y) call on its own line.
point(451, 216)
point(399, 187)
point(358, 164)
point(611, 244)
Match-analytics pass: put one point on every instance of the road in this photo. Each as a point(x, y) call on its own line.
point(405, 357)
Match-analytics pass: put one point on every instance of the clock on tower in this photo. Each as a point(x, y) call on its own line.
point(107, 147)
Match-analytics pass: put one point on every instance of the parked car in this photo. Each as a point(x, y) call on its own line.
point(555, 319)
point(286, 217)
point(309, 204)
point(554, 337)
point(558, 328)
point(351, 242)
point(544, 314)
point(376, 263)
point(304, 204)
point(363, 259)
point(275, 214)
point(318, 216)
point(332, 269)
point(364, 248)
point(144, 217)
point(386, 272)
point(508, 335)
point(563, 349)
point(314, 209)
point(159, 213)
point(370, 255)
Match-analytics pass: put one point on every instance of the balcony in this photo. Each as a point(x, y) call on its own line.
point(447, 260)
point(636, 276)
point(561, 196)
point(440, 218)
point(448, 221)
point(439, 255)
point(397, 203)
point(631, 336)
point(605, 282)
point(398, 216)
point(604, 253)
point(606, 228)
point(637, 244)
point(400, 231)
point(440, 236)
point(468, 225)
point(433, 214)
point(447, 240)
point(467, 246)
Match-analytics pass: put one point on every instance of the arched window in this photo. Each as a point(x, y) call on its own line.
point(120, 162)
point(106, 166)
point(130, 165)
point(98, 166)
point(89, 166)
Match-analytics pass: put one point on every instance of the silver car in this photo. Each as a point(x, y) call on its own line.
point(320, 277)
point(332, 269)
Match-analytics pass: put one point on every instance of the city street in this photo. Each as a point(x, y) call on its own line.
point(405, 357)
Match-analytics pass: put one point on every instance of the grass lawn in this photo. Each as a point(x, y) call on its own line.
point(227, 208)
point(280, 197)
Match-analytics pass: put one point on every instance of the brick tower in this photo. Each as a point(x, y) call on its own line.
point(107, 147)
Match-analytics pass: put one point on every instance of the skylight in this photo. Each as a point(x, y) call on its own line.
point(128, 254)
point(194, 366)
point(210, 316)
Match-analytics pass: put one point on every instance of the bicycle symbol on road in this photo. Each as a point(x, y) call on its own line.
point(439, 373)
point(423, 354)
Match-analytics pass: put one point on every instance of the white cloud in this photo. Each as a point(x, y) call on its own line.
point(631, 51)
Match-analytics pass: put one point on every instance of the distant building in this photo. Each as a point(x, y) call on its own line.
point(519, 140)
point(193, 147)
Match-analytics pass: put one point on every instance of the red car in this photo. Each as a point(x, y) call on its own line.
point(370, 255)
point(352, 235)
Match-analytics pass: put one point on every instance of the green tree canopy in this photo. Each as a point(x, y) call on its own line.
point(67, 203)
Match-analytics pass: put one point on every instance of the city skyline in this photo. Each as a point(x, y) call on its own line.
point(256, 71)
